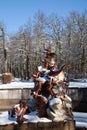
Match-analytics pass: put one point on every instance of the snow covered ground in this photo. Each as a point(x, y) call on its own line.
point(17, 83)
point(80, 118)
point(78, 85)
point(32, 117)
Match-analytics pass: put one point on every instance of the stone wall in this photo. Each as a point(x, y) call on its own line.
point(8, 97)
point(79, 98)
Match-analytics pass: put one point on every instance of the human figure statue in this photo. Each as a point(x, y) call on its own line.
point(18, 111)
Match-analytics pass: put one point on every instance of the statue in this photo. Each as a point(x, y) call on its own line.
point(50, 97)
point(53, 85)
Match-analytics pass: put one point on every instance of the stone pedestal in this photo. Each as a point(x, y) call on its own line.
point(68, 125)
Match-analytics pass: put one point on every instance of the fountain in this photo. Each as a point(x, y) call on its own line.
point(50, 107)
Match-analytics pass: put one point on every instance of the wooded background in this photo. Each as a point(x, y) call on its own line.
point(21, 53)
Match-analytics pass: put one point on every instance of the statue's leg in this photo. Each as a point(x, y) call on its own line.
point(50, 88)
point(39, 87)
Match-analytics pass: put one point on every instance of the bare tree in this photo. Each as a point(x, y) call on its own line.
point(67, 36)
point(75, 41)
point(3, 47)
point(39, 28)
point(54, 30)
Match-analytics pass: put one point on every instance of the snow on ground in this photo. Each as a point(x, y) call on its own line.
point(32, 117)
point(4, 118)
point(79, 117)
point(78, 85)
point(17, 83)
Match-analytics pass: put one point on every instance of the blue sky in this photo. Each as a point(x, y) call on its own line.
point(14, 13)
